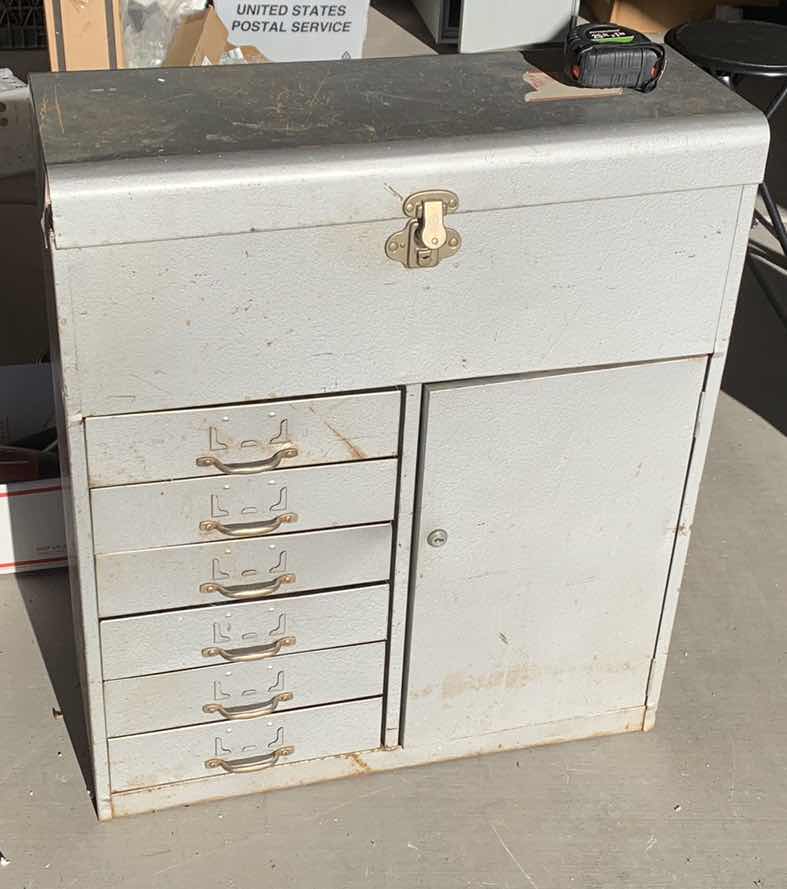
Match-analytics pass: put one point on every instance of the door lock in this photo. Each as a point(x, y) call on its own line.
point(437, 538)
point(425, 240)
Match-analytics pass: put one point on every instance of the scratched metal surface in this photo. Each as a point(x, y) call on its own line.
point(106, 115)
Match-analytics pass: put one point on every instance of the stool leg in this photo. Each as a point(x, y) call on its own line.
point(776, 103)
point(773, 211)
point(779, 229)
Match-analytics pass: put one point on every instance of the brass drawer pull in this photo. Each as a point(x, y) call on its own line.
point(253, 653)
point(250, 529)
point(249, 711)
point(285, 453)
point(249, 590)
point(251, 763)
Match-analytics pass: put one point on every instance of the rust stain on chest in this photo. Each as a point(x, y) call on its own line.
point(356, 452)
point(357, 760)
point(456, 684)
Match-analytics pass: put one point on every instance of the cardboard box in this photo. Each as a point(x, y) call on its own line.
point(651, 15)
point(250, 54)
point(656, 16)
point(84, 35)
point(200, 40)
point(32, 531)
point(88, 34)
point(294, 32)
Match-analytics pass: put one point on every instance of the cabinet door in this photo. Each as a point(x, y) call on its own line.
point(513, 23)
point(560, 496)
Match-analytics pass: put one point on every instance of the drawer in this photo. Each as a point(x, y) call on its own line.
point(146, 516)
point(185, 753)
point(186, 443)
point(177, 640)
point(206, 573)
point(168, 700)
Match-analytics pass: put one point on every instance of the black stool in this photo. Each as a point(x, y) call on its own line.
point(731, 50)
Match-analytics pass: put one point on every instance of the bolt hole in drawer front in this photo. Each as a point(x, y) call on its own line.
point(241, 438)
point(200, 637)
point(183, 754)
point(208, 573)
point(241, 692)
point(146, 516)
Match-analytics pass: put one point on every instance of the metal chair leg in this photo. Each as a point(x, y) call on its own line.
point(776, 103)
point(779, 228)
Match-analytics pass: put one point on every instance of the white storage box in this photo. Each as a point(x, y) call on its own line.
point(478, 25)
point(293, 32)
point(32, 535)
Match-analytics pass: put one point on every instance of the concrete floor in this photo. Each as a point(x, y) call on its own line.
point(701, 802)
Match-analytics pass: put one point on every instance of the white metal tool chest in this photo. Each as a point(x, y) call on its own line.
point(385, 399)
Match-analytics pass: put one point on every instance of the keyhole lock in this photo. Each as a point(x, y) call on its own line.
point(437, 538)
point(426, 240)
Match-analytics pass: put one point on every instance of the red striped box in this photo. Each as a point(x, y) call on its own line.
point(32, 534)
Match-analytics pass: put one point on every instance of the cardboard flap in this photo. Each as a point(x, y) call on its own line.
point(200, 40)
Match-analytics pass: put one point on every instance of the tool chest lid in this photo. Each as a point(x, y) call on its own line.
point(156, 154)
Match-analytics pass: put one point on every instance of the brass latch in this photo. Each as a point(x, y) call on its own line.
point(425, 240)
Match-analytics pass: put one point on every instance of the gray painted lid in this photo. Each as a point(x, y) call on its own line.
point(159, 154)
point(174, 112)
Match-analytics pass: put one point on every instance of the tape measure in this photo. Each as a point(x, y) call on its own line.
point(604, 56)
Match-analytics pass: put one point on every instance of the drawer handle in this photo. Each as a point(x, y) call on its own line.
point(251, 763)
point(286, 453)
point(249, 590)
point(253, 653)
point(249, 711)
point(249, 529)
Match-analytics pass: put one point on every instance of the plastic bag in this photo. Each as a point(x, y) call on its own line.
point(148, 28)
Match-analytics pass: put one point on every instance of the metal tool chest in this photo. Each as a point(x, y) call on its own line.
point(385, 399)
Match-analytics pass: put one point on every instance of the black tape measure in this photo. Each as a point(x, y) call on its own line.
point(604, 56)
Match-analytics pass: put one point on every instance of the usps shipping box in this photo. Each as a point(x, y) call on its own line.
point(293, 32)
point(32, 532)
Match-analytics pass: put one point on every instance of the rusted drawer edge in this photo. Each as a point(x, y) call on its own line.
point(183, 754)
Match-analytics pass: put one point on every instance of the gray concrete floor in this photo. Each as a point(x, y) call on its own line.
point(701, 802)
